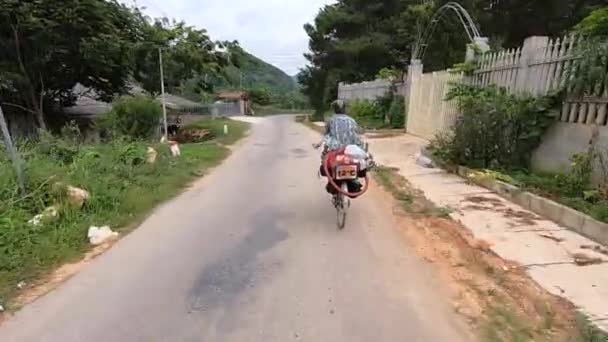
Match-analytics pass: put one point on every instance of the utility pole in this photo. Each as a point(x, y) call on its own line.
point(162, 90)
point(12, 151)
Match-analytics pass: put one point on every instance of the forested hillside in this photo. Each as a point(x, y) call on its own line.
point(268, 84)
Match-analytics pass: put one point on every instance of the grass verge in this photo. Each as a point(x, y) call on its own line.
point(575, 192)
point(556, 187)
point(496, 297)
point(236, 129)
point(124, 189)
point(305, 120)
point(411, 200)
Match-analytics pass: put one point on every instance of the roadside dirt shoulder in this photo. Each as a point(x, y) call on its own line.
point(496, 296)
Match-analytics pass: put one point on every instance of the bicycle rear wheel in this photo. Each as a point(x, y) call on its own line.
point(342, 205)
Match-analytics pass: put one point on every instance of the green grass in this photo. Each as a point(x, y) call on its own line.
point(371, 122)
point(556, 187)
point(124, 190)
point(587, 331)
point(236, 129)
point(411, 200)
point(305, 120)
point(503, 324)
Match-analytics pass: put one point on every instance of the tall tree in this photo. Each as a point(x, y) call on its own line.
point(47, 47)
point(188, 53)
point(352, 40)
point(511, 21)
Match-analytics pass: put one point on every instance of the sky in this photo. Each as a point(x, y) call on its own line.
point(269, 29)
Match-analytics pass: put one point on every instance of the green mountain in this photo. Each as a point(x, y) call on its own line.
point(257, 74)
point(267, 84)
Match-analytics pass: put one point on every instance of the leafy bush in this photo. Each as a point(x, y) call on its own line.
point(596, 24)
point(578, 180)
point(367, 113)
point(495, 130)
point(136, 117)
point(390, 74)
point(384, 103)
point(386, 111)
point(62, 148)
point(363, 109)
point(587, 75)
point(396, 112)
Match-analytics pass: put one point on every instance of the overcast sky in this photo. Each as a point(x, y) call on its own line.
point(270, 29)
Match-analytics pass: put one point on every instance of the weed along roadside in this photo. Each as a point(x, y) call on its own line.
point(125, 180)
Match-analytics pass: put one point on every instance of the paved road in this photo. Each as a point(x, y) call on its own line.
point(251, 253)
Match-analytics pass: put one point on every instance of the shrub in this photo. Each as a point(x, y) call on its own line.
point(367, 113)
point(136, 117)
point(396, 112)
point(385, 111)
point(62, 148)
point(363, 109)
point(495, 129)
point(596, 24)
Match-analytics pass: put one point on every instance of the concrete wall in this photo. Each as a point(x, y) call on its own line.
point(562, 141)
point(369, 90)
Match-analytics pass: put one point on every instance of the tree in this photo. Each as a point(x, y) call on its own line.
point(48, 47)
point(260, 96)
point(352, 40)
point(511, 21)
point(595, 25)
point(188, 53)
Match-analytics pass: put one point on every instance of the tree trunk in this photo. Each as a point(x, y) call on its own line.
point(40, 119)
point(33, 101)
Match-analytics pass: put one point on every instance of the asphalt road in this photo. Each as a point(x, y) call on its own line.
point(252, 253)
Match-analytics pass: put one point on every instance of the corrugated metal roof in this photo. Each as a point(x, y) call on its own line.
point(87, 104)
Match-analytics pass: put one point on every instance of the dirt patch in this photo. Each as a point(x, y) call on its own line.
point(496, 296)
point(523, 218)
point(551, 237)
point(493, 201)
point(481, 203)
point(596, 248)
point(193, 135)
point(582, 259)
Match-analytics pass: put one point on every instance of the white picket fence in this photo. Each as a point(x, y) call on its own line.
point(540, 66)
point(429, 113)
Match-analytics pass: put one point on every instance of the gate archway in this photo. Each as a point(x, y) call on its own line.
point(465, 19)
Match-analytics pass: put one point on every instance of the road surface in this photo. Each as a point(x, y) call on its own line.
point(252, 253)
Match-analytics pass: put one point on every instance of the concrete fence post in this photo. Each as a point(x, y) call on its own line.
point(529, 53)
point(414, 72)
